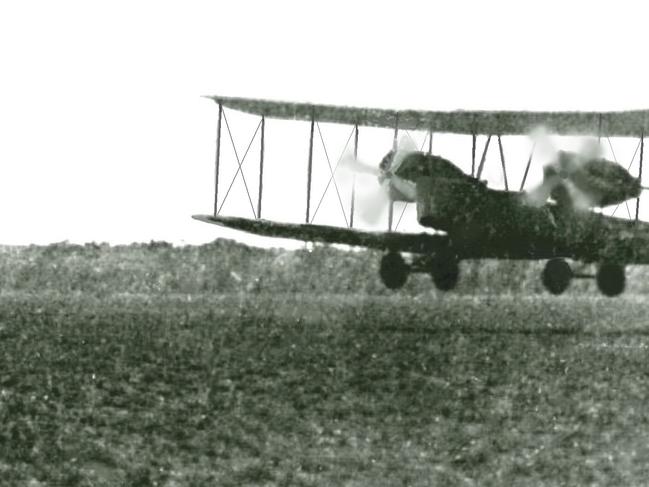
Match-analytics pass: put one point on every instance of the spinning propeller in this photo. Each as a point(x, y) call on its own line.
point(373, 200)
point(582, 179)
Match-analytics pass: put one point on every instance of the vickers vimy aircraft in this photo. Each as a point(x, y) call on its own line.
point(555, 221)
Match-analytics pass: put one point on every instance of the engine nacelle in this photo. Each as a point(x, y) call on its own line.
point(600, 182)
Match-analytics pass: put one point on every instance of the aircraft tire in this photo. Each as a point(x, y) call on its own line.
point(611, 279)
point(393, 270)
point(445, 271)
point(556, 276)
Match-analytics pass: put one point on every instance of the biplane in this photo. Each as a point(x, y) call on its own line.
point(556, 221)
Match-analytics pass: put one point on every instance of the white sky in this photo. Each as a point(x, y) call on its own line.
point(104, 135)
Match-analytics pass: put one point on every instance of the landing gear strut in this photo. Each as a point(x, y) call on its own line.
point(443, 267)
point(611, 279)
point(556, 276)
point(393, 270)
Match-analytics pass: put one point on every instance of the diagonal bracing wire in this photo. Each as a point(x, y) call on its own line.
point(423, 143)
point(334, 171)
point(412, 139)
point(240, 163)
point(403, 210)
point(628, 212)
point(527, 167)
point(332, 178)
point(483, 158)
point(628, 169)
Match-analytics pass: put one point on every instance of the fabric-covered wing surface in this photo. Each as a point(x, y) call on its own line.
point(404, 242)
point(613, 124)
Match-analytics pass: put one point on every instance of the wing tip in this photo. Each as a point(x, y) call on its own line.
point(205, 218)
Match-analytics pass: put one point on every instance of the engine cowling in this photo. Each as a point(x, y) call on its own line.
point(596, 181)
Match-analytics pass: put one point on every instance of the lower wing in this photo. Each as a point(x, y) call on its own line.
point(403, 242)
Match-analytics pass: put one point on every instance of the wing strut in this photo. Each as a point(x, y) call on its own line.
point(218, 160)
point(394, 149)
point(261, 165)
point(473, 155)
point(483, 158)
point(527, 167)
point(309, 173)
point(637, 201)
point(353, 203)
point(502, 162)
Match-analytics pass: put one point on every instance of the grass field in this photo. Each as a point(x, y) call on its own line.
point(303, 389)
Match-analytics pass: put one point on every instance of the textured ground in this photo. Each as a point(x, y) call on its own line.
point(303, 390)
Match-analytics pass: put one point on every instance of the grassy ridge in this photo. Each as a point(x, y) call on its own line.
point(225, 266)
point(300, 389)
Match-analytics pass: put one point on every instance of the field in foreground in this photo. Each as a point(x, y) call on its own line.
point(304, 390)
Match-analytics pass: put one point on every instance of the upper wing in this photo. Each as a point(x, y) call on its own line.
point(405, 242)
point(613, 124)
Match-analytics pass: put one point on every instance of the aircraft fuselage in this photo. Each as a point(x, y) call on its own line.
point(484, 222)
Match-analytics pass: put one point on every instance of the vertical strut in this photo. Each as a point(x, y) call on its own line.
point(396, 132)
point(502, 162)
point(217, 161)
point(309, 171)
point(482, 159)
point(351, 212)
point(430, 142)
point(394, 148)
point(527, 168)
point(637, 201)
point(473, 156)
point(599, 128)
point(261, 166)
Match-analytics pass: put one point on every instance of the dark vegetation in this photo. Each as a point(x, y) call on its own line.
point(151, 365)
point(225, 266)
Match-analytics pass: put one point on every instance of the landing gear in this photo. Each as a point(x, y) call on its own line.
point(611, 279)
point(556, 276)
point(443, 267)
point(394, 270)
point(445, 271)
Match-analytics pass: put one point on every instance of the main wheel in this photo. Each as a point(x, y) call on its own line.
point(445, 271)
point(611, 279)
point(394, 270)
point(556, 276)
